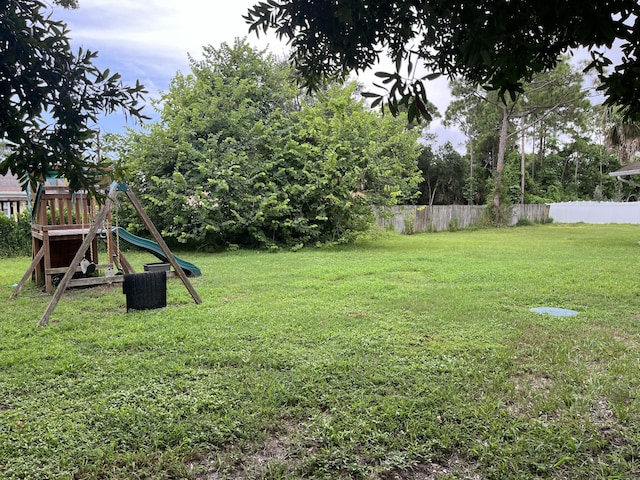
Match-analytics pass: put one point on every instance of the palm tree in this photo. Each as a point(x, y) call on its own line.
point(621, 136)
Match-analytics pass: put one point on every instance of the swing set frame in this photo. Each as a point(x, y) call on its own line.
point(65, 223)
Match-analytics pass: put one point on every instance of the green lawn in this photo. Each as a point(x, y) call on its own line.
point(402, 357)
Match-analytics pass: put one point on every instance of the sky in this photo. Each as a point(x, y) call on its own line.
point(151, 40)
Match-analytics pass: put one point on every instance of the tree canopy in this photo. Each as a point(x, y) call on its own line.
point(50, 98)
point(552, 150)
point(67, 3)
point(498, 44)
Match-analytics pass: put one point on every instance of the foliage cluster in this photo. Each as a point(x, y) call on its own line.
point(493, 47)
point(15, 235)
point(411, 356)
point(444, 173)
point(552, 120)
point(241, 157)
point(494, 43)
point(567, 172)
point(50, 98)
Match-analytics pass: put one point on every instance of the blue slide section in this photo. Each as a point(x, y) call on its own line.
point(152, 247)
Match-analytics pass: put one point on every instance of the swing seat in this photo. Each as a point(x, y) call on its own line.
point(87, 267)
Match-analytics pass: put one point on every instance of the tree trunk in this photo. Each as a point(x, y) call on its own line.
point(533, 159)
point(502, 148)
point(565, 162)
point(472, 201)
point(543, 146)
point(432, 193)
point(522, 162)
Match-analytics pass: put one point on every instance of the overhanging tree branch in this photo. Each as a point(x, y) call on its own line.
point(496, 44)
point(50, 98)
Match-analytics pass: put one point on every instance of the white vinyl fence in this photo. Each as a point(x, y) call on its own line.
point(595, 212)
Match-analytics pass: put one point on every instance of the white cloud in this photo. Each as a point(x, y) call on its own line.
point(167, 29)
point(151, 40)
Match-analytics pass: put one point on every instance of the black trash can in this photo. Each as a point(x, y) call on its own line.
point(145, 291)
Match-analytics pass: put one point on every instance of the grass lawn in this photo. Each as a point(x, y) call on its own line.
point(411, 357)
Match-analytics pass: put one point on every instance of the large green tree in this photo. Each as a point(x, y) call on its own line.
point(499, 44)
point(242, 157)
point(51, 98)
point(552, 103)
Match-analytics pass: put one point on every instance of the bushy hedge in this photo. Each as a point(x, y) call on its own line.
point(241, 157)
point(15, 236)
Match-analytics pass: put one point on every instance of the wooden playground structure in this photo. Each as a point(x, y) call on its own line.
point(66, 227)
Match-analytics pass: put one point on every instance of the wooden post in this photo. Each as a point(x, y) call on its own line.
point(36, 245)
point(30, 270)
point(48, 284)
point(97, 222)
point(161, 243)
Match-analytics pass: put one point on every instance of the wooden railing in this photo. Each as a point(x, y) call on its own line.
point(60, 209)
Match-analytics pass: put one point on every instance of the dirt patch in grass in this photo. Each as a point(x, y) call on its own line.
point(617, 334)
point(605, 421)
point(280, 457)
point(526, 388)
point(601, 415)
point(453, 466)
point(260, 461)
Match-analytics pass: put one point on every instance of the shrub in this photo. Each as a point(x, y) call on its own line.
point(239, 158)
point(15, 236)
point(497, 217)
point(524, 222)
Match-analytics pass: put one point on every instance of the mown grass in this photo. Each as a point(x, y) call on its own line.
point(402, 357)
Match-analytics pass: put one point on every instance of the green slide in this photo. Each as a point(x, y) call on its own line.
point(152, 247)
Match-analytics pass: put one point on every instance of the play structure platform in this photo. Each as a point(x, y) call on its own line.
point(60, 222)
